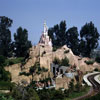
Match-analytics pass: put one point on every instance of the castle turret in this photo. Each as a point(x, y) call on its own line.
point(45, 39)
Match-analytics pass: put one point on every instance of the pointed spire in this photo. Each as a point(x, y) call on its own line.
point(45, 29)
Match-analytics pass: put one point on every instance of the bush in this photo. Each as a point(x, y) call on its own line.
point(57, 61)
point(96, 69)
point(4, 75)
point(4, 85)
point(66, 51)
point(90, 62)
point(22, 93)
point(97, 59)
point(2, 60)
point(65, 62)
point(24, 73)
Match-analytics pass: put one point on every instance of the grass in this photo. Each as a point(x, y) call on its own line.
point(13, 61)
point(78, 94)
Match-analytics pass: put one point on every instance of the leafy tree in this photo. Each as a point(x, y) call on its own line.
point(21, 44)
point(73, 40)
point(32, 95)
point(58, 34)
point(4, 75)
point(97, 59)
point(2, 60)
point(5, 36)
point(89, 39)
point(22, 93)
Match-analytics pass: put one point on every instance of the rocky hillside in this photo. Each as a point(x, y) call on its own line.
point(45, 56)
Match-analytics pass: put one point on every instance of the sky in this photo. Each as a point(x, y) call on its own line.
point(30, 14)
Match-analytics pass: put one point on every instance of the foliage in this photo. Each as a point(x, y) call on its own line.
point(73, 40)
point(66, 51)
point(65, 62)
point(5, 36)
point(51, 94)
point(2, 97)
point(90, 62)
point(97, 59)
point(22, 93)
point(58, 34)
point(4, 75)
point(56, 61)
point(4, 85)
point(75, 91)
point(21, 43)
point(14, 61)
point(96, 69)
point(89, 39)
point(96, 97)
point(2, 60)
point(24, 73)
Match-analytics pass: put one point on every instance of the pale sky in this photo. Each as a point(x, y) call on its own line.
point(30, 14)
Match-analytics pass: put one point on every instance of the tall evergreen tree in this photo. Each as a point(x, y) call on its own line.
point(73, 40)
point(89, 39)
point(58, 34)
point(5, 35)
point(21, 43)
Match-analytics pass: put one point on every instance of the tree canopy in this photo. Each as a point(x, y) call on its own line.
point(89, 39)
point(21, 43)
point(58, 34)
point(73, 39)
point(5, 36)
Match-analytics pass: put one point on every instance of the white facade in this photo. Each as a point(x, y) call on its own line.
point(45, 39)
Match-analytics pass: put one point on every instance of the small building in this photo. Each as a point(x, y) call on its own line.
point(64, 70)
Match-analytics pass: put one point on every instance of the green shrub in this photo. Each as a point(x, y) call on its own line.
point(96, 69)
point(66, 51)
point(24, 73)
point(4, 85)
point(90, 62)
point(57, 61)
point(2, 60)
point(65, 62)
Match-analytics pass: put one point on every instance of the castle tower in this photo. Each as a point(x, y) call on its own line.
point(45, 32)
point(45, 39)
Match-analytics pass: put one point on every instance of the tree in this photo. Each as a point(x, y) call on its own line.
point(4, 75)
point(58, 34)
point(5, 35)
point(22, 93)
point(21, 43)
point(73, 40)
point(32, 95)
point(89, 39)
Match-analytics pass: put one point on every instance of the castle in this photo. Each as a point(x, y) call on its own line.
point(45, 39)
point(45, 42)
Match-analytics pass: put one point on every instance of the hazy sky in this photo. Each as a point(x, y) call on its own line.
point(30, 14)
